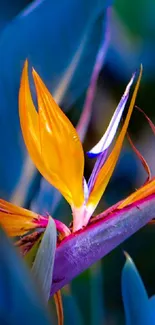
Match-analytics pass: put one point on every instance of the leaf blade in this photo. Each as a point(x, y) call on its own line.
point(42, 268)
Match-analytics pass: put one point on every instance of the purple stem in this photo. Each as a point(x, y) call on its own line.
point(80, 250)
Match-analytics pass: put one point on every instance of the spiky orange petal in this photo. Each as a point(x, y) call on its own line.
point(108, 168)
point(51, 140)
point(15, 220)
point(141, 193)
point(59, 307)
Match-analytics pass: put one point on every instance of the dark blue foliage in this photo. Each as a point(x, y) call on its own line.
point(9, 9)
point(139, 309)
point(20, 302)
point(48, 33)
point(72, 314)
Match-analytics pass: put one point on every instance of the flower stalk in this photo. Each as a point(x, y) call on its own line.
point(80, 250)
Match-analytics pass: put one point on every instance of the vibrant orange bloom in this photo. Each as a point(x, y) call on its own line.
point(56, 150)
point(51, 140)
point(18, 221)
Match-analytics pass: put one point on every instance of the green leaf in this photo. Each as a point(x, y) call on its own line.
point(44, 261)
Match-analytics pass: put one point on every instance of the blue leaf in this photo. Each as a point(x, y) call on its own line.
point(96, 294)
point(44, 261)
point(72, 313)
point(19, 299)
point(152, 307)
point(152, 302)
point(9, 9)
point(135, 298)
point(47, 199)
point(50, 36)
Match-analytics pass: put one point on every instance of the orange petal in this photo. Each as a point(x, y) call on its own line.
point(108, 168)
point(141, 193)
point(15, 220)
point(29, 119)
point(59, 307)
point(51, 140)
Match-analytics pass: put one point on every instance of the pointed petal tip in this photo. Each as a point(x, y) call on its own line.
point(25, 67)
point(107, 169)
point(42, 130)
point(26, 62)
point(138, 70)
point(35, 74)
point(24, 70)
point(15, 220)
point(37, 81)
point(106, 140)
point(128, 257)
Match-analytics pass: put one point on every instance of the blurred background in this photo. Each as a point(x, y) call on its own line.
point(95, 296)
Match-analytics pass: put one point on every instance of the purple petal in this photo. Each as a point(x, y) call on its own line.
point(108, 136)
point(80, 250)
point(99, 163)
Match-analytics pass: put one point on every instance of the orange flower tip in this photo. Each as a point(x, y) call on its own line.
point(49, 130)
point(35, 75)
point(26, 63)
point(143, 192)
point(25, 69)
point(18, 221)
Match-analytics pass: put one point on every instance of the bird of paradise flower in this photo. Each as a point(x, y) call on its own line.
point(56, 150)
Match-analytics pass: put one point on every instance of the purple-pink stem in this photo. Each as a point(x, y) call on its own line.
point(80, 250)
point(60, 226)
